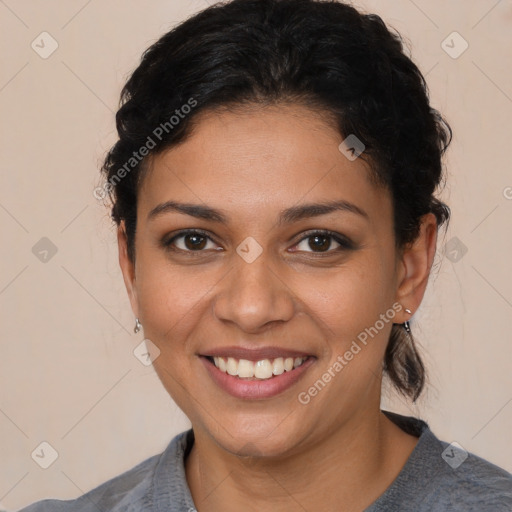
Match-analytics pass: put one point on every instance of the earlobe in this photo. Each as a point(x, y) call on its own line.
point(416, 263)
point(127, 267)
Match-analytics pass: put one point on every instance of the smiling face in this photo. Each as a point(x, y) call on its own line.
point(262, 273)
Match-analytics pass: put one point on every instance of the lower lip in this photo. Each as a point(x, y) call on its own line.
point(256, 389)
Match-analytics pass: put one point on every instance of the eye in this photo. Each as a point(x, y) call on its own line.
point(189, 241)
point(322, 241)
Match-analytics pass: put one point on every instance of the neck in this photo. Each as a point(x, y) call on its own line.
point(348, 469)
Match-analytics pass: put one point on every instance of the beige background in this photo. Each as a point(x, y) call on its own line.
point(68, 373)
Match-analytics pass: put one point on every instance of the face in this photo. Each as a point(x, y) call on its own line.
point(253, 272)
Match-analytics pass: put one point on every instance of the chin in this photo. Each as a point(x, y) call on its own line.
point(266, 439)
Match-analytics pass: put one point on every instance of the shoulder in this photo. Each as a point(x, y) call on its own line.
point(444, 476)
point(468, 482)
point(128, 487)
point(130, 491)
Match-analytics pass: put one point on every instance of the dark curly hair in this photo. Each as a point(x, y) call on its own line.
point(324, 55)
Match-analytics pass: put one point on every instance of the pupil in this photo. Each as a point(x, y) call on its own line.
point(195, 244)
point(325, 245)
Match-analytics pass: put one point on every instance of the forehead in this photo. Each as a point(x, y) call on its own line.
point(258, 158)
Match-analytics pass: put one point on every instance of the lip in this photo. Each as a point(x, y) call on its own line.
point(256, 389)
point(254, 354)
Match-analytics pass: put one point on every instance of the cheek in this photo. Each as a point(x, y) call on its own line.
point(171, 298)
point(172, 303)
point(351, 298)
point(348, 309)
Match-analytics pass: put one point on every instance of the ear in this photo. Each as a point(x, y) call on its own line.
point(127, 268)
point(414, 266)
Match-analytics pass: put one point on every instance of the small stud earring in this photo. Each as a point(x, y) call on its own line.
point(138, 326)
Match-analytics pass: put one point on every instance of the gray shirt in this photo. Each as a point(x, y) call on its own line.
point(436, 477)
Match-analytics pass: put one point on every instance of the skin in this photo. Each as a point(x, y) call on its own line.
point(338, 452)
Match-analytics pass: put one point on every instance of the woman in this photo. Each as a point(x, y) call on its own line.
point(273, 186)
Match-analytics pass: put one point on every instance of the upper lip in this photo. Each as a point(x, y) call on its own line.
point(254, 354)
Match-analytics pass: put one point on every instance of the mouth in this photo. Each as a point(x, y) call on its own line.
point(256, 374)
point(256, 370)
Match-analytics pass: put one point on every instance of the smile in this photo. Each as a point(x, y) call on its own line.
point(265, 376)
point(262, 369)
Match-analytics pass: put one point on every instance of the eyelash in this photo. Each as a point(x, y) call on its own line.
point(345, 243)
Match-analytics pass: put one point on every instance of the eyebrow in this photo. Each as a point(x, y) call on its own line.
point(292, 214)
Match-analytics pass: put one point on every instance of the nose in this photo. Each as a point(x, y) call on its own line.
point(253, 296)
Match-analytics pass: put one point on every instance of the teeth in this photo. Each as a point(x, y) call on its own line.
point(245, 368)
point(221, 364)
point(232, 366)
point(263, 369)
point(278, 367)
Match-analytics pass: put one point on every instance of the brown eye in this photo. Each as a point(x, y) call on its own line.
point(322, 242)
point(194, 242)
point(188, 241)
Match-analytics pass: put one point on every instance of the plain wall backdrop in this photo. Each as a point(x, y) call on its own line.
point(68, 375)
